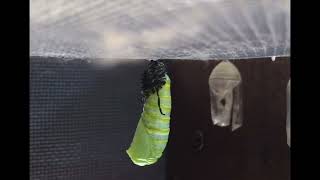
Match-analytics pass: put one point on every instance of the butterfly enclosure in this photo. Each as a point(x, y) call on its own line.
point(160, 89)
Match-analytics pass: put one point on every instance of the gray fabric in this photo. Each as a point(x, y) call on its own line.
point(82, 119)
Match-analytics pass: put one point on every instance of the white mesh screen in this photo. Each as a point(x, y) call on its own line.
point(179, 29)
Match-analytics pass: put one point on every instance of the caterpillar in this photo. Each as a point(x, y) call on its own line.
point(152, 132)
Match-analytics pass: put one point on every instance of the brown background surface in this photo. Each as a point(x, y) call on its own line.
point(256, 151)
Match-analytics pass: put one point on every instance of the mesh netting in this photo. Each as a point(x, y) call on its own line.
point(143, 29)
point(82, 121)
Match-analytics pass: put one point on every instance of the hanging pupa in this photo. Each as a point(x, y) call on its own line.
point(288, 124)
point(225, 95)
point(153, 128)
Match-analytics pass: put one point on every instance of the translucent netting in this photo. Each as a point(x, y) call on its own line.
point(179, 29)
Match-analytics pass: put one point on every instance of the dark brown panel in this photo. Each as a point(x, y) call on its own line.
point(258, 150)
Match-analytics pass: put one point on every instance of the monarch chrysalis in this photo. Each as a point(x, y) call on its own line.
point(153, 128)
point(225, 95)
point(288, 126)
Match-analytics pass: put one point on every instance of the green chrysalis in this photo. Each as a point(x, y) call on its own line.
point(152, 132)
